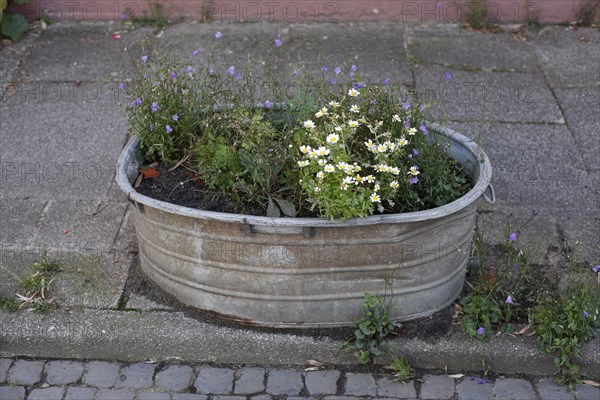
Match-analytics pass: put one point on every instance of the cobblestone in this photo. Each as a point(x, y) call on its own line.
point(173, 382)
point(214, 380)
point(437, 387)
point(585, 392)
point(386, 387)
point(5, 364)
point(63, 372)
point(136, 376)
point(360, 384)
point(175, 377)
point(250, 380)
point(517, 389)
point(472, 390)
point(101, 374)
point(26, 372)
point(550, 390)
point(12, 393)
point(322, 382)
point(80, 393)
point(51, 393)
point(112, 394)
point(288, 382)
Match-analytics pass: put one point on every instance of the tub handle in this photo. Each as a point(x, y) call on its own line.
point(488, 199)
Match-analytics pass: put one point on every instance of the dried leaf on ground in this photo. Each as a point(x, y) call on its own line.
point(590, 382)
point(456, 376)
point(149, 173)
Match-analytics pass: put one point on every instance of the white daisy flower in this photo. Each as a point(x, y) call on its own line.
point(333, 138)
point(414, 171)
point(353, 124)
point(303, 163)
point(412, 131)
point(305, 149)
point(375, 198)
point(323, 151)
point(396, 118)
point(354, 109)
point(394, 185)
point(329, 168)
point(353, 92)
point(309, 124)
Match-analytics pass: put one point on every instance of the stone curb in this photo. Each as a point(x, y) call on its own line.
point(164, 336)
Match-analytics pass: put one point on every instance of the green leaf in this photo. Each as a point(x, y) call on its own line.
point(246, 159)
point(13, 26)
point(21, 1)
point(287, 207)
point(272, 210)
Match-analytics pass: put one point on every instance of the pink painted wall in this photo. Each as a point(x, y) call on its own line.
point(429, 11)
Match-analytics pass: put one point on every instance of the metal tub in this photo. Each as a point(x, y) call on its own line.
point(308, 272)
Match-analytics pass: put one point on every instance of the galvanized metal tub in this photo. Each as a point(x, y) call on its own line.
point(307, 272)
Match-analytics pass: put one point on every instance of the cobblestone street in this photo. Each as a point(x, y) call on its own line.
point(100, 380)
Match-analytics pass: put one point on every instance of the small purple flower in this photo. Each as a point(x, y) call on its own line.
point(144, 58)
point(447, 76)
point(337, 70)
point(295, 73)
point(136, 102)
point(406, 105)
point(190, 70)
point(195, 52)
point(512, 237)
point(509, 300)
point(351, 74)
point(231, 70)
point(472, 378)
point(407, 123)
point(278, 42)
point(585, 314)
point(422, 107)
point(123, 17)
point(480, 382)
point(516, 266)
point(268, 104)
point(218, 35)
point(175, 117)
point(423, 129)
point(121, 86)
point(211, 71)
point(353, 68)
point(154, 107)
point(145, 76)
point(596, 268)
point(173, 75)
point(413, 180)
point(324, 69)
point(238, 76)
point(358, 85)
point(333, 80)
point(169, 129)
point(415, 152)
point(386, 82)
point(480, 330)
point(151, 127)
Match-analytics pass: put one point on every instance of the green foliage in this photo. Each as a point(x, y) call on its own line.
point(8, 304)
point(481, 310)
point(565, 324)
point(12, 25)
point(372, 329)
point(475, 15)
point(401, 368)
point(240, 130)
point(36, 285)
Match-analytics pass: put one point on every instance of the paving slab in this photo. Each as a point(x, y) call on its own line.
point(567, 59)
point(19, 219)
point(487, 96)
point(12, 393)
point(450, 44)
point(136, 376)
point(581, 235)
point(587, 392)
point(321, 382)
point(51, 393)
point(84, 51)
point(537, 239)
point(535, 167)
point(472, 390)
point(101, 374)
point(12, 56)
point(360, 384)
point(284, 382)
point(80, 393)
point(582, 111)
point(214, 380)
point(70, 149)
